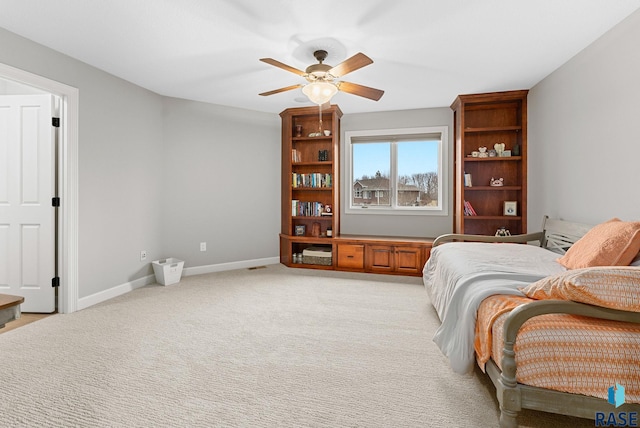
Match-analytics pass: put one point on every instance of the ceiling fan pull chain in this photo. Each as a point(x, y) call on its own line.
point(320, 118)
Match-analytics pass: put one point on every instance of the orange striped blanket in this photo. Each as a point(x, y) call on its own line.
point(563, 352)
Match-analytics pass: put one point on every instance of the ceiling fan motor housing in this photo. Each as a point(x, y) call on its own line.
point(318, 72)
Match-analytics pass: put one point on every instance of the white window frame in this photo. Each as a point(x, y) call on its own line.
point(353, 137)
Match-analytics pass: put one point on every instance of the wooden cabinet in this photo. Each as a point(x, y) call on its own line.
point(484, 120)
point(396, 259)
point(310, 180)
point(397, 256)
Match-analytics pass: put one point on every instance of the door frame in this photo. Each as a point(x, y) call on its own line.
point(68, 180)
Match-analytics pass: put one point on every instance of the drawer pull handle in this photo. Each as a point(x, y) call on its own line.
point(349, 257)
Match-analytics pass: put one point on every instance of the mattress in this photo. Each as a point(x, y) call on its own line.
point(460, 275)
point(567, 353)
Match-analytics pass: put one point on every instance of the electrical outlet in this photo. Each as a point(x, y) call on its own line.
point(143, 255)
point(203, 246)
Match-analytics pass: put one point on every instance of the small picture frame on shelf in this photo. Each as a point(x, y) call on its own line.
point(299, 230)
point(510, 208)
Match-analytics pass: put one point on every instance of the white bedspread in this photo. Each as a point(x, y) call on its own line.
point(459, 275)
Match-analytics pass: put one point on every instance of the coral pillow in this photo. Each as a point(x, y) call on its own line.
point(609, 287)
point(613, 243)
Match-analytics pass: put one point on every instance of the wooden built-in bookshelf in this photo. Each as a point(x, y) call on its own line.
point(482, 120)
point(310, 180)
point(310, 177)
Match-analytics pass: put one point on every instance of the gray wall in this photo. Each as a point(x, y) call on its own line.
point(120, 136)
point(390, 225)
point(221, 183)
point(160, 174)
point(583, 133)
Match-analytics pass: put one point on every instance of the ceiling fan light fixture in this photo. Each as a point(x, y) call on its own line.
point(320, 92)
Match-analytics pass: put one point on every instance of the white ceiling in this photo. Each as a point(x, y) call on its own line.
point(425, 52)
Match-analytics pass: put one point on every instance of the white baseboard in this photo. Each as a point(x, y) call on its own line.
point(94, 299)
point(118, 290)
point(199, 270)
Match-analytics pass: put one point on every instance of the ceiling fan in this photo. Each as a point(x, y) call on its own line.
point(322, 78)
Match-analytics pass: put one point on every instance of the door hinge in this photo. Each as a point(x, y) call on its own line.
point(55, 281)
point(55, 121)
point(55, 201)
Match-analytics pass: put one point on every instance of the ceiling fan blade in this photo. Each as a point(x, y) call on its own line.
point(278, 64)
point(277, 91)
point(357, 61)
point(362, 91)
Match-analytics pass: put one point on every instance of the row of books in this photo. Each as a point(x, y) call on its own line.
point(312, 209)
point(468, 209)
point(314, 179)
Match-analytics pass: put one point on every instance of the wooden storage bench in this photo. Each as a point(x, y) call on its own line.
point(378, 254)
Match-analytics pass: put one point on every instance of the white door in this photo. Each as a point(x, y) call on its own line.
point(26, 189)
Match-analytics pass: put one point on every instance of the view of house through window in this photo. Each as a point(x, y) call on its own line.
point(399, 171)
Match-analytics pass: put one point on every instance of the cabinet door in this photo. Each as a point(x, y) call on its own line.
point(379, 258)
point(408, 259)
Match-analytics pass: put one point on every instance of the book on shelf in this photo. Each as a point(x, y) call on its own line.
point(468, 209)
point(295, 156)
point(306, 209)
point(314, 179)
point(467, 180)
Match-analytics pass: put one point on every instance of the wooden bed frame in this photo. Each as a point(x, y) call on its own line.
point(556, 236)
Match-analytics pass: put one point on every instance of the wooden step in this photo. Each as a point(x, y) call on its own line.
point(9, 308)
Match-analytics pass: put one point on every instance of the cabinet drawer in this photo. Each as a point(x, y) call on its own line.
point(351, 256)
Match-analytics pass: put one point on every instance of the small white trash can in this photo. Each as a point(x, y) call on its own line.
point(168, 271)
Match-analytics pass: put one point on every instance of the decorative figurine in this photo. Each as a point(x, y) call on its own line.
point(496, 182)
point(503, 231)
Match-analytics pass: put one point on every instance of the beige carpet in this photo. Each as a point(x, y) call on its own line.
point(271, 347)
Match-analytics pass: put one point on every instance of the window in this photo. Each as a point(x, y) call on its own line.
point(398, 171)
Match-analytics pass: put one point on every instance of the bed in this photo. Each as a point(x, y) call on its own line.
point(502, 307)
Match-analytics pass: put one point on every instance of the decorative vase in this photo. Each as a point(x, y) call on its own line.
point(315, 230)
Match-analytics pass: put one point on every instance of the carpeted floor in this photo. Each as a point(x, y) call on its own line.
point(271, 347)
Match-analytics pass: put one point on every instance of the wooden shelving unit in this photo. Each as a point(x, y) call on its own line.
point(306, 156)
point(374, 254)
point(482, 120)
